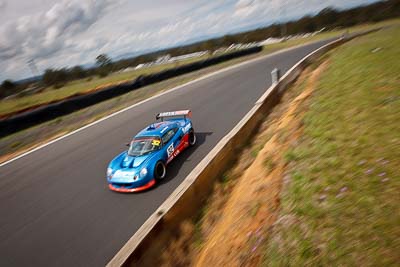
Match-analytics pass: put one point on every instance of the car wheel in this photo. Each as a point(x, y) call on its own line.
point(160, 171)
point(192, 138)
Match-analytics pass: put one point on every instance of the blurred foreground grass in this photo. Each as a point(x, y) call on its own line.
point(341, 205)
point(86, 85)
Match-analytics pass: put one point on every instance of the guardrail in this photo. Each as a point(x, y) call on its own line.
point(185, 201)
point(24, 120)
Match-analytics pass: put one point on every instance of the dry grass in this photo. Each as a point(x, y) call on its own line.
point(252, 205)
point(194, 239)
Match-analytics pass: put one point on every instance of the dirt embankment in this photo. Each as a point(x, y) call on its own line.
point(252, 205)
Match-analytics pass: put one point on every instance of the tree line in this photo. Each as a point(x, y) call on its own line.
point(328, 18)
point(59, 77)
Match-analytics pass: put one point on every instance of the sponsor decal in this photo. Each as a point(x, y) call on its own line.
point(122, 174)
point(176, 152)
point(156, 142)
point(187, 128)
point(174, 113)
point(173, 155)
point(170, 150)
point(178, 149)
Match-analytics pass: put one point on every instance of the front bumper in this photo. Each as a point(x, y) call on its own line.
point(127, 189)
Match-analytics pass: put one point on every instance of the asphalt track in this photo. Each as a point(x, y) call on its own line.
point(55, 207)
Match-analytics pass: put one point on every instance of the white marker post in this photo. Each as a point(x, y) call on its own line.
point(276, 75)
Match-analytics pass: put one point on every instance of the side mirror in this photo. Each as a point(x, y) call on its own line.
point(128, 144)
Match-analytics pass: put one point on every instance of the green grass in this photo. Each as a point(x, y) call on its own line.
point(342, 204)
point(86, 85)
point(82, 86)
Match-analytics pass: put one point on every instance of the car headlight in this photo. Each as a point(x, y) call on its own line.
point(143, 172)
point(109, 172)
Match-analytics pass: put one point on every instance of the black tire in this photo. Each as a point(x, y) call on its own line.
point(160, 171)
point(192, 138)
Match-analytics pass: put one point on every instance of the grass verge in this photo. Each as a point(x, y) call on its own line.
point(340, 206)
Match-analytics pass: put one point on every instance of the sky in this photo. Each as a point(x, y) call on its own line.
point(66, 33)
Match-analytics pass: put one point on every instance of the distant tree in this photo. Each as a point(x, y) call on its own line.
point(103, 60)
point(208, 45)
point(77, 72)
point(303, 25)
point(104, 64)
point(8, 85)
point(327, 17)
point(48, 77)
point(7, 88)
point(227, 40)
point(56, 78)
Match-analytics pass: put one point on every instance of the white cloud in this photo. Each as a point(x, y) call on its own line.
point(71, 32)
point(244, 8)
point(3, 5)
point(43, 35)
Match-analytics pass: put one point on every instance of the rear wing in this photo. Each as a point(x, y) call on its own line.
point(179, 113)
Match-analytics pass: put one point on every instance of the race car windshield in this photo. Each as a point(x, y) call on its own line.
point(141, 146)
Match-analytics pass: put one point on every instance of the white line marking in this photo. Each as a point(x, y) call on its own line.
point(151, 98)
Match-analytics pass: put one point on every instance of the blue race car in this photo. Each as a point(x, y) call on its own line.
point(144, 163)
